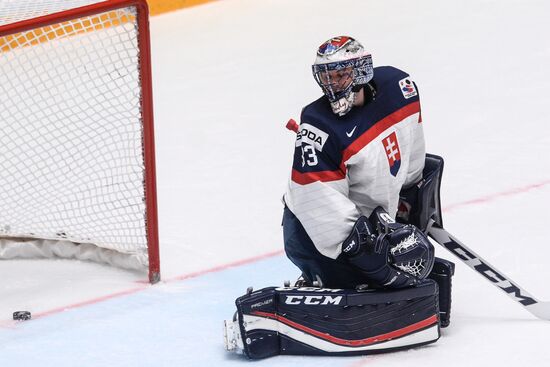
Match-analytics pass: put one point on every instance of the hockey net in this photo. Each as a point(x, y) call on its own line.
point(77, 173)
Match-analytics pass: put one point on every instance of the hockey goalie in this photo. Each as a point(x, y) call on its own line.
point(360, 199)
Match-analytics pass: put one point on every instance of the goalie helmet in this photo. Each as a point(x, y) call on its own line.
point(341, 68)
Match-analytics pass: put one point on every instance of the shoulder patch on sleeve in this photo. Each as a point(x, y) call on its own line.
point(407, 88)
point(312, 135)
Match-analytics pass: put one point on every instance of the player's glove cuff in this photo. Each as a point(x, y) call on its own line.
point(362, 237)
point(383, 222)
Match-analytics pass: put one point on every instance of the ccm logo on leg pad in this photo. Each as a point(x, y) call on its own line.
point(313, 300)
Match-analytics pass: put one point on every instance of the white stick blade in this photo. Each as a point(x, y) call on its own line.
point(540, 310)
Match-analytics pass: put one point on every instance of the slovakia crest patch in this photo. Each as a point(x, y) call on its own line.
point(391, 146)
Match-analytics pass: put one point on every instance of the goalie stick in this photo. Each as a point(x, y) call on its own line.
point(496, 277)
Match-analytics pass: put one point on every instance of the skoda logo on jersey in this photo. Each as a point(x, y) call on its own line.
point(311, 135)
point(391, 146)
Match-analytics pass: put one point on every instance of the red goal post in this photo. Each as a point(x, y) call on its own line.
point(78, 155)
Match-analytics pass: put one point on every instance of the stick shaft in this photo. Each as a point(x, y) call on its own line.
point(489, 272)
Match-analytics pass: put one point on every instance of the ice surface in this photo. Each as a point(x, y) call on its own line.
point(228, 75)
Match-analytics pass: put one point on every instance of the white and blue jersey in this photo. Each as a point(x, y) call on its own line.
point(346, 166)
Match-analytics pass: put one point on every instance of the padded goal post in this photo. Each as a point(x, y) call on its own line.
point(77, 156)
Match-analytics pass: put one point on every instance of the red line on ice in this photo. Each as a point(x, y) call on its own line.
point(495, 196)
point(146, 285)
point(448, 208)
point(9, 324)
point(226, 266)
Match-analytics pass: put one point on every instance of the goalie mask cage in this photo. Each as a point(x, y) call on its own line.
point(77, 165)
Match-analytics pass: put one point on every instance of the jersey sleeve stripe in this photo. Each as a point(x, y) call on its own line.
point(377, 129)
point(310, 177)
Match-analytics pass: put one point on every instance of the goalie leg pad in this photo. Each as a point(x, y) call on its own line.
point(322, 321)
point(442, 273)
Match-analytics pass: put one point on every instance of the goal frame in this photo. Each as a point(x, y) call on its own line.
point(146, 103)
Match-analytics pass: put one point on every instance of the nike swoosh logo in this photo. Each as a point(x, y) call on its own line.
point(351, 132)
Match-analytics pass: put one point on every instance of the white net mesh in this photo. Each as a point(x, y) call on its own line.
point(12, 11)
point(71, 155)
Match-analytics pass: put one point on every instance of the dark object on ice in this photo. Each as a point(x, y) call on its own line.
point(22, 315)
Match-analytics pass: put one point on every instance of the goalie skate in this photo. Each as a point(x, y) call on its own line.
point(232, 339)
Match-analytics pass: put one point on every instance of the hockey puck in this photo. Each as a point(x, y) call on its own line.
point(22, 315)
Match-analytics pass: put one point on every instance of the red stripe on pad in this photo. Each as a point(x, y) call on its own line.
point(432, 320)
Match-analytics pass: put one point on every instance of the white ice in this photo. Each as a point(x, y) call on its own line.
point(227, 77)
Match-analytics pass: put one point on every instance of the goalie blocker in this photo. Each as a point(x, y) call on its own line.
point(322, 321)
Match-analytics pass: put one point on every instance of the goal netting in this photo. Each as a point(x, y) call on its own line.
point(76, 132)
